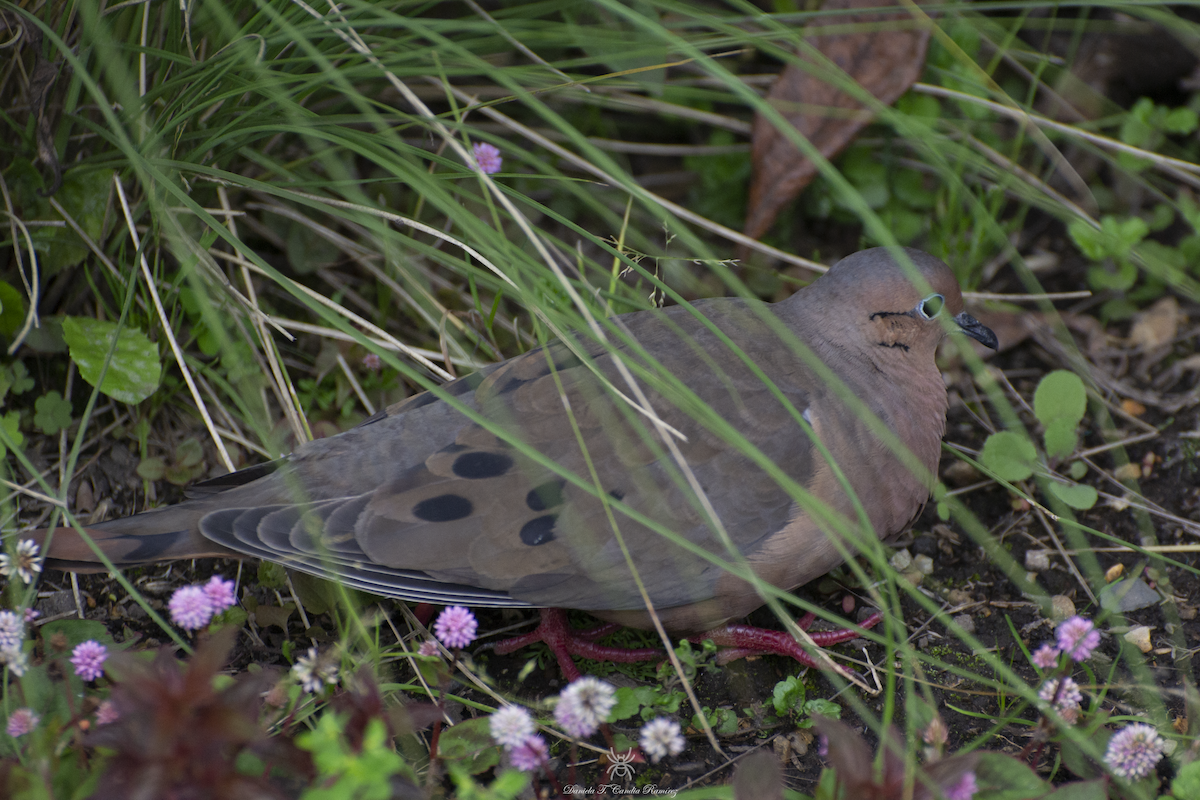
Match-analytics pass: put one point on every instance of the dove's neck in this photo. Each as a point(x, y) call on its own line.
point(904, 388)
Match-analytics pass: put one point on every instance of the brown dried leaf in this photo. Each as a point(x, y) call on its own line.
point(885, 61)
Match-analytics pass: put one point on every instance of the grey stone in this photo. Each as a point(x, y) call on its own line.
point(1128, 595)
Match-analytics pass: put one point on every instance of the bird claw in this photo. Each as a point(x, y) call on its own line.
point(556, 633)
point(745, 640)
point(739, 641)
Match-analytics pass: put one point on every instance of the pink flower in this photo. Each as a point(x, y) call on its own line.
point(965, 789)
point(583, 705)
point(1134, 751)
point(487, 157)
point(191, 608)
point(372, 361)
point(428, 648)
point(1066, 699)
point(107, 713)
point(455, 627)
point(88, 659)
point(1079, 637)
point(530, 754)
point(1046, 656)
point(221, 593)
point(21, 722)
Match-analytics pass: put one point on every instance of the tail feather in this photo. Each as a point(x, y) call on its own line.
point(155, 536)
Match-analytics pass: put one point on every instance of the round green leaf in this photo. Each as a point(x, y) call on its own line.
point(134, 372)
point(1060, 438)
point(1010, 455)
point(1060, 395)
point(1076, 495)
point(151, 469)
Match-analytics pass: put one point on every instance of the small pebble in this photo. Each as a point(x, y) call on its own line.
point(960, 473)
point(1114, 572)
point(1130, 594)
point(1133, 407)
point(1037, 560)
point(1061, 608)
point(901, 560)
point(966, 622)
point(1139, 637)
point(56, 603)
point(1128, 472)
point(959, 596)
point(923, 564)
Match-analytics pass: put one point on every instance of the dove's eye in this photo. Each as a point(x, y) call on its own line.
point(931, 306)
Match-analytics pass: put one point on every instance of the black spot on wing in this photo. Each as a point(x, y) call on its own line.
point(547, 495)
point(481, 464)
point(539, 530)
point(443, 508)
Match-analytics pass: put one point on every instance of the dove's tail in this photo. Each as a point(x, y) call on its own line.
point(167, 534)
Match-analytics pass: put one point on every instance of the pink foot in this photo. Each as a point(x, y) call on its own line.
point(745, 640)
point(565, 642)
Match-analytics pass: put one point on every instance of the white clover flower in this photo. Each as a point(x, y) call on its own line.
point(25, 563)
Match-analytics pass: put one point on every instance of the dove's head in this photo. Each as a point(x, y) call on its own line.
point(899, 306)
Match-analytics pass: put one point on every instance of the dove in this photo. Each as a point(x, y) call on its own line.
point(698, 442)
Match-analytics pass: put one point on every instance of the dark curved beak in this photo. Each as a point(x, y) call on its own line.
point(977, 331)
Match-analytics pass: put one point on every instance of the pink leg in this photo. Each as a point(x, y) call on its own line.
point(564, 642)
point(745, 640)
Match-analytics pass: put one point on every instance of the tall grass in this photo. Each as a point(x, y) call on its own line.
point(302, 187)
